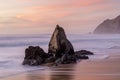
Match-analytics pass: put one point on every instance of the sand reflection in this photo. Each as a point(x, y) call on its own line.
point(63, 72)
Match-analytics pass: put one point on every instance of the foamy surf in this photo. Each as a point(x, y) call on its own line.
point(19, 69)
point(98, 57)
point(12, 65)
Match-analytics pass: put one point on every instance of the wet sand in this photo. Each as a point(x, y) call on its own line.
point(106, 69)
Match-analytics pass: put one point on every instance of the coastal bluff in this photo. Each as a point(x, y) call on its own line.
point(60, 51)
point(109, 26)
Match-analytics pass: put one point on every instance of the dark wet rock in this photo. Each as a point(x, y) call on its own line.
point(59, 44)
point(50, 59)
point(60, 51)
point(66, 59)
point(61, 47)
point(84, 52)
point(34, 56)
point(82, 57)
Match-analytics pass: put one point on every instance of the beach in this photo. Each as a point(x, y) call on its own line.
point(105, 69)
point(103, 65)
point(60, 40)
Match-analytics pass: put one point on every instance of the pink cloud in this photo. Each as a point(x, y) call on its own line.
point(76, 12)
point(25, 0)
point(59, 9)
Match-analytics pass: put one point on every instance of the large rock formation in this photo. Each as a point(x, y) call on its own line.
point(61, 47)
point(109, 27)
point(60, 51)
point(59, 44)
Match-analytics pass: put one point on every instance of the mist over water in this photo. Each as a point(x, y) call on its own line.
point(12, 49)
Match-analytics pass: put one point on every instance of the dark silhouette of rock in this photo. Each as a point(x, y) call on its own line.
point(82, 56)
point(61, 47)
point(50, 59)
point(60, 51)
point(59, 44)
point(66, 59)
point(109, 27)
point(84, 52)
point(35, 56)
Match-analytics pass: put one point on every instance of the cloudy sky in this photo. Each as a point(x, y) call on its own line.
point(41, 16)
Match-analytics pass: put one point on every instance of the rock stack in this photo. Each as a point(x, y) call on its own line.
point(60, 51)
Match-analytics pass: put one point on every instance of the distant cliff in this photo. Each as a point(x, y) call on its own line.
point(109, 27)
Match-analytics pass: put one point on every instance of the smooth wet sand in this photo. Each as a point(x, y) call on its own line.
point(107, 69)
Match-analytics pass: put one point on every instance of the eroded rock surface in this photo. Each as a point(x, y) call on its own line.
point(35, 56)
point(61, 47)
point(59, 44)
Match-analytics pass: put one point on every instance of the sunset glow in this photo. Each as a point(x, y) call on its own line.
point(38, 16)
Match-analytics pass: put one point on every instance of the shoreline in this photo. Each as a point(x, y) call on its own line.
point(106, 69)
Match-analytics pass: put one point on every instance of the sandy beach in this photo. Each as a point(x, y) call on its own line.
point(106, 69)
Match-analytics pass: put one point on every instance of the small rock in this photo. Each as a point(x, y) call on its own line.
point(34, 56)
point(84, 52)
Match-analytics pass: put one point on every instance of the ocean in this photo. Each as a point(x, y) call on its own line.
point(12, 49)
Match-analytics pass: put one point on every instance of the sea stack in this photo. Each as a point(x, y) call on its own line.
point(109, 26)
point(60, 51)
point(60, 46)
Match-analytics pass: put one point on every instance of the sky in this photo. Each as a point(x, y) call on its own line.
point(41, 16)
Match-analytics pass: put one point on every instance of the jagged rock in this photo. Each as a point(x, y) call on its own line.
point(109, 27)
point(60, 51)
point(34, 56)
point(84, 52)
point(61, 47)
point(59, 44)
